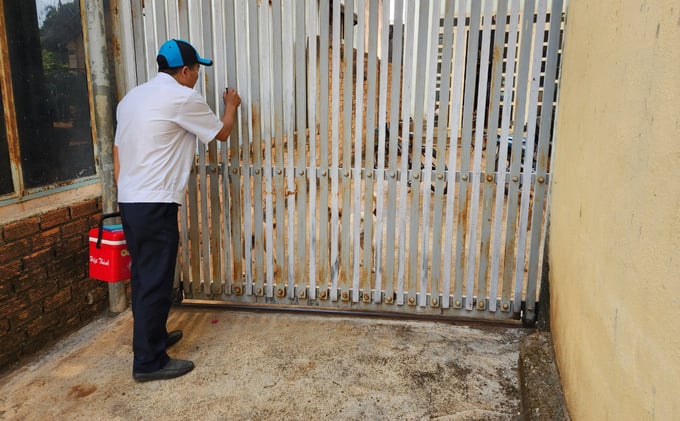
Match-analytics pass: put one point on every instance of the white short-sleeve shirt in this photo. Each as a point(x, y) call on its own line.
point(158, 124)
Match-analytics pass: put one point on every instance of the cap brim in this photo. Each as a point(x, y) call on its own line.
point(205, 61)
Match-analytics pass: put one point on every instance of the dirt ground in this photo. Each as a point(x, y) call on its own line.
point(277, 365)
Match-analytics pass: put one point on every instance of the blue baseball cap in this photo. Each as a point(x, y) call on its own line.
point(177, 53)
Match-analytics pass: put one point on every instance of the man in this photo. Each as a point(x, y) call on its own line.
point(155, 146)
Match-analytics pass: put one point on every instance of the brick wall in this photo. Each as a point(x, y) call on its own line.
point(45, 291)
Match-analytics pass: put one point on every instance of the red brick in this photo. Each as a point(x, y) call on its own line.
point(84, 286)
point(29, 279)
point(70, 268)
point(8, 357)
point(72, 323)
point(42, 290)
point(12, 306)
point(70, 280)
point(46, 239)
point(39, 337)
point(83, 271)
point(4, 325)
point(14, 250)
point(70, 246)
point(90, 312)
point(11, 343)
point(41, 324)
point(63, 260)
point(26, 316)
point(38, 259)
point(78, 227)
point(70, 311)
point(6, 289)
point(61, 265)
point(84, 209)
point(21, 229)
point(10, 270)
point(57, 300)
point(69, 276)
point(54, 218)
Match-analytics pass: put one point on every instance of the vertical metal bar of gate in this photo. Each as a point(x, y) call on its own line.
point(335, 155)
point(499, 32)
point(267, 169)
point(256, 121)
point(277, 52)
point(440, 296)
point(540, 188)
point(463, 201)
point(224, 219)
point(511, 219)
point(358, 137)
point(345, 185)
point(212, 188)
point(426, 175)
point(232, 169)
point(411, 263)
point(193, 245)
point(391, 223)
point(405, 147)
point(478, 134)
point(368, 258)
point(311, 34)
point(289, 130)
point(324, 272)
point(301, 141)
point(380, 172)
point(526, 172)
point(454, 124)
point(502, 155)
point(241, 12)
point(195, 22)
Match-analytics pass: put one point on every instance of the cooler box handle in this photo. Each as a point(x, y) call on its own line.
point(101, 226)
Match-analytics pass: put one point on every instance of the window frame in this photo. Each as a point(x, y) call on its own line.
point(21, 193)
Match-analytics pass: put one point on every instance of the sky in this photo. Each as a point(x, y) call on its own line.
point(41, 5)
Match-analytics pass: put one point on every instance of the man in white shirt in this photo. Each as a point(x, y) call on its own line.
point(155, 145)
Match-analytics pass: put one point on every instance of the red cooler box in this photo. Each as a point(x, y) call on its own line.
point(109, 257)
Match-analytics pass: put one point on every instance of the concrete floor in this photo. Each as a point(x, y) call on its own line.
point(276, 366)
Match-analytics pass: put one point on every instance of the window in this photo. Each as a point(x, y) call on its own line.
point(52, 127)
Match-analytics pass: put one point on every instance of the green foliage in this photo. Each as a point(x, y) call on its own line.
point(53, 62)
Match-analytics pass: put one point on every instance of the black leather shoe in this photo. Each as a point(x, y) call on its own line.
point(174, 368)
point(173, 338)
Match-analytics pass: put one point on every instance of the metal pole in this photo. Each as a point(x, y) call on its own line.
point(95, 39)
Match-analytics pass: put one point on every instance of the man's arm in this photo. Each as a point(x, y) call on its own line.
point(116, 163)
point(231, 103)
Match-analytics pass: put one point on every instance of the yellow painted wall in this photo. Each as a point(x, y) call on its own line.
point(615, 224)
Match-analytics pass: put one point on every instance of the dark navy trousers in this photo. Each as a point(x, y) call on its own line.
point(152, 238)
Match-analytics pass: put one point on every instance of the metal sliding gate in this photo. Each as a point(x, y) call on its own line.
point(389, 156)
